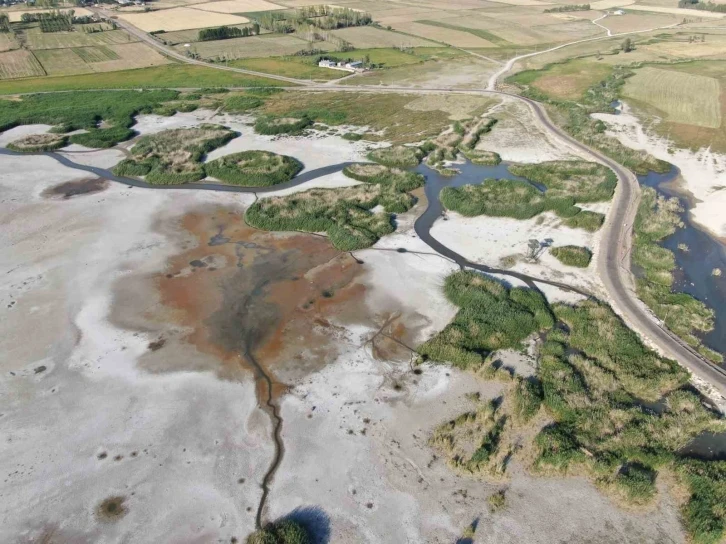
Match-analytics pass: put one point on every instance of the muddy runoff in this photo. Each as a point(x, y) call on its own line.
point(275, 305)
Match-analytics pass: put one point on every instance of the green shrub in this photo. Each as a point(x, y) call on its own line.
point(36, 143)
point(130, 167)
point(271, 125)
point(582, 180)
point(637, 482)
point(527, 399)
point(352, 136)
point(254, 168)
point(704, 513)
point(280, 532)
point(572, 255)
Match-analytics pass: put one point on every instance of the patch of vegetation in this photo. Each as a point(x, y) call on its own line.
point(573, 116)
point(242, 103)
point(272, 125)
point(254, 168)
point(517, 199)
point(572, 255)
point(35, 143)
point(74, 111)
point(397, 156)
point(344, 214)
point(174, 156)
point(482, 158)
point(598, 385)
point(280, 532)
point(571, 7)
point(658, 218)
point(497, 501)
point(491, 317)
point(582, 180)
point(352, 137)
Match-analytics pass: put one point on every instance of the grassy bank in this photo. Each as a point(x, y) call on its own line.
point(567, 182)
point(344, 214)
point(601, 404)
point(158, 77)
point(658, 218)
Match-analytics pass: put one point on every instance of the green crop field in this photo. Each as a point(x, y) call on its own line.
point(297, 67)
point(270, 45)
point(567, 81)
point(19, 63)
point(684, 98)
point(171, 75)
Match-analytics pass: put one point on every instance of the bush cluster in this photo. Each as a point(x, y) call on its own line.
point(254, 168)
point(572, 255)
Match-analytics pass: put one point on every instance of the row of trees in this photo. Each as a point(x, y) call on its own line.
point(4, 22)
point(321, 16)
point(573, 7)
point(54, 21)
point(226, 32)
point(705, 6)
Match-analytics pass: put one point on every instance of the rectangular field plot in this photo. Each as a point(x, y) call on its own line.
point(189, 36)
point(685, 98)
point(35, 39)
point(16, 15)
point(363, 37)
point(181, 19)
point(19, 63)
point(8, 41)
point(238, 6)
point(130, 55)
point(96, 54)
point(273, 45)
point(457, 38)
point(61, 62)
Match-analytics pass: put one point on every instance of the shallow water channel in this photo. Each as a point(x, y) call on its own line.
point(695, 266)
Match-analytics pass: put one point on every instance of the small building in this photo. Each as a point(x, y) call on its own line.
point(325, 63)
point(618, 12)
point(356, 65)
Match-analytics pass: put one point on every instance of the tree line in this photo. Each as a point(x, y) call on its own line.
point(704, 6)
point(226, 32)
point(574, 7)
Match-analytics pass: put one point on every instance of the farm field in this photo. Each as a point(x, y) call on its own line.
point(60, 62)
point(238, 6)
point(16, 15)
point(457, 38)
point(180, 19)
point(158, 77)
point(364, 37)
point(19, 63)
point(35, 39)
point(273, 45)
point(683, 98)
point(567, 80)
point(639, 21)
point(8, 41)
point(192, 35)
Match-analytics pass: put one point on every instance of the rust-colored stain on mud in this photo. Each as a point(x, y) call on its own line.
point(272, 295)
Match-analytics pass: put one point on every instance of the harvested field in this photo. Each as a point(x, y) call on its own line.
point(484, 34)
point(363, 37)
point(19, 63)
point(684, 98)
point(238, 6)
point(690, 13)
point(609, 4)
point(61, 62)
point(567, 80)
point(524, 3)
point(128, 56)
point(443, 35)
point(716, 45)
point(271, 45)
point(16, 15)
point(631, 22)
point(35, 39)
point(180, 19)
point(289, 67)
point(7, 41)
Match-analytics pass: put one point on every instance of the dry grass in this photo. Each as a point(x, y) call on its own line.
point(272, 45)
point(457, 38)
point(458, 107)
point(7, 41)
point(16, 15)
point(684, 98)
point(239, 6)
point(61, 62)
point(19, 63)
point(180, 19)
point(638, 21)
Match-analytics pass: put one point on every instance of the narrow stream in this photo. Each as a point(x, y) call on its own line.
point(694, 273)
point(470, 174)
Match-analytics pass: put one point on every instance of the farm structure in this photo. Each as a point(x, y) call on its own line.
point(355, 66)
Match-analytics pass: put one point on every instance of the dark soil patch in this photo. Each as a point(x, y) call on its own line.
point(77, 188)
point(112, 509)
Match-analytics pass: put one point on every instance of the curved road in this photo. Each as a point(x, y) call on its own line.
point(613, 259)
